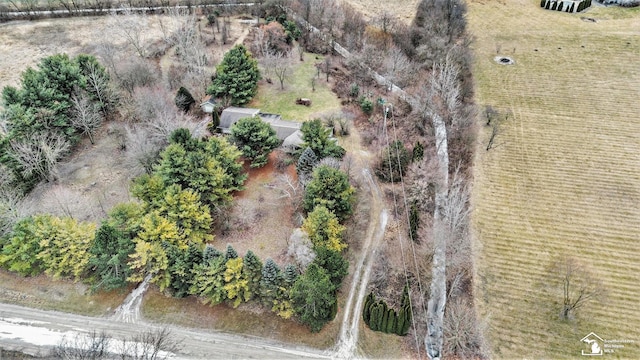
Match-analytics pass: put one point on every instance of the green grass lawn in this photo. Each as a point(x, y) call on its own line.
point(271, 99)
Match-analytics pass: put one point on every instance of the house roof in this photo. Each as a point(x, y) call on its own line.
point(294, 140)
point(232, 114)
point(282, 128)
point(208, 104)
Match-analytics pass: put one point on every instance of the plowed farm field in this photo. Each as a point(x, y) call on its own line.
point(564, 178)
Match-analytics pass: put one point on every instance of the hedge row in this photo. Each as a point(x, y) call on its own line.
point(559, 5)
point(379, 317)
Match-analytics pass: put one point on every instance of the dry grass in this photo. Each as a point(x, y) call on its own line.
point(564, 179)
point(42, 292)
point(91, 182)
point(247, 319)
point(261, 219)
point(29, 41)
point(378, 345)
point(405, 10)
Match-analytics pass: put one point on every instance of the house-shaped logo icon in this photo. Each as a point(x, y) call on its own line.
point(594, 345)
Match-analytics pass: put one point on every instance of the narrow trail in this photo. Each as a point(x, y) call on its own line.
point(129, 311)
point(346, 347)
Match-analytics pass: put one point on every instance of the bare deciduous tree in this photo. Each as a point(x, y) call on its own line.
point(86, 115)
point(132, 28)
point(301, 249)
point(576, 283)
point(157, 112)
point(397, 68)
point(190, 48)
point(39, 153)
point(142, 151)
point(135, 72)
point(94, 345)
point(12, 208)
point(462, 331)
point(148, 345)
point(100, 87)
point(279, 64)
point(157, 117)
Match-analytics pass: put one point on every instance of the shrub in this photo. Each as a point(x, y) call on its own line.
point(393, 162)
point(366, 105)
point(184, 99)
point(354, 90)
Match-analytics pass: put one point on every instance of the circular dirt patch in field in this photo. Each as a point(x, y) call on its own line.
point(504, 60)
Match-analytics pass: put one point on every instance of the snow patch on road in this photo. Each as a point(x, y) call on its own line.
point(21, 330)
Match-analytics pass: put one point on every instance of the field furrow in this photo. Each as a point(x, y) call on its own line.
point(564, 179)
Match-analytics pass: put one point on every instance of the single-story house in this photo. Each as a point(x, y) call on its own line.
point(284, 129)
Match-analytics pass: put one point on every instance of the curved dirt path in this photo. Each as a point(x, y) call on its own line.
point(346, 345)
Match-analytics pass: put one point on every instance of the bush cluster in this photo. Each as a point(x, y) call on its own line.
point(379, 317)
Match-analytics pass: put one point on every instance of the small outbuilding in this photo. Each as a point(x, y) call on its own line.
point(208, 105)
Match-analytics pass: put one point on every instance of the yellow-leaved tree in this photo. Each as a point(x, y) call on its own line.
point(324, 229)
point(64, 245)
point(237, 285)
point(149, 256)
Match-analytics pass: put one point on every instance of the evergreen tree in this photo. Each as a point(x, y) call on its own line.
point(270, 282)
point(208, 281)
point(312, 298)
point(49, 88)
point(181, 265)
point(366, 308)
point(414, 221)
point(255, 139)
point(376, 317)
point(393, 162)
point(109, 255)
point(290, 275)
point(336, 265)
point(20, 250)
point(417, 153)
point(317, 136)
point(403, 327)
point(231, 253)
point(306, 162)
point(384, 313)
point(324, 230)
point(236, 77)
point(392, 319)
point(183, 136)
point(330, 187)
point(253, 272)
point(210, 253)
point(228, 156)
point(236, 284)
point(184, 99)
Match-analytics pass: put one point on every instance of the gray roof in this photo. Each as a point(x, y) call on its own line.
point(282, 128)
point(294, 140)
point(232, 114)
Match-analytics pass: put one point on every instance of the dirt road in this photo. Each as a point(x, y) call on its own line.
point(35, 331)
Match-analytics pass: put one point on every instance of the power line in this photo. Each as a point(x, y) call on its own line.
point(395, 208)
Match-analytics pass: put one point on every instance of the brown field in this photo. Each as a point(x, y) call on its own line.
point(45, 293)
point(405, 10)
point(24, 43)
point(565, 176)
point(248, 319)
